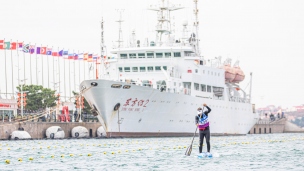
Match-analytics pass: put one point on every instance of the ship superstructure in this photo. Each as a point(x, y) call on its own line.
point(154, 88)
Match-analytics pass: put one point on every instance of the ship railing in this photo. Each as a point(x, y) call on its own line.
point(238, 99)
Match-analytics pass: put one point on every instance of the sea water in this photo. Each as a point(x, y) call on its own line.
point(249, 152)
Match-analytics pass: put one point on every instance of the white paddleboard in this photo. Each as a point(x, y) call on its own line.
point(204, 155)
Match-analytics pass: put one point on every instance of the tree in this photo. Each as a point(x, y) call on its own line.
point(38, 97)
point(86, 107)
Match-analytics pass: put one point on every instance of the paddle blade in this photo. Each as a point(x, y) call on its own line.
point(189, 150)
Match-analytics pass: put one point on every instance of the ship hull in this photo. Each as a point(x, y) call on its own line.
point(148, 112)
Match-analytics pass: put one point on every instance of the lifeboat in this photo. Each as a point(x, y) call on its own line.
point(229, 73)
point(239, 75)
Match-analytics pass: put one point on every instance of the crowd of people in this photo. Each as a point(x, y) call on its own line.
point(272, 116)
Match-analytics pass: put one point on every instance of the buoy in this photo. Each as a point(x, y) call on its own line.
point(104, 152)
point(42, 156)
point(20, 159)
point(89, 154)
point(71, 155)
point(112, 152)
point(62, 155)
point(7, 161)
point(31, 158)
point(52, 156)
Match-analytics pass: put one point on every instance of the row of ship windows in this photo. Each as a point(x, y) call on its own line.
point(149, 55)
point(141, 69)
point(157, 68)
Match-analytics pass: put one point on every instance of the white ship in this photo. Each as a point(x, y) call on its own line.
point(155, 88)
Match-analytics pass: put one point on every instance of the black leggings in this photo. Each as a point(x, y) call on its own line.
point(202, 134)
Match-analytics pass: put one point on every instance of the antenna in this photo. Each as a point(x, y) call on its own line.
point(163, 19)
point(120, 40)
point(102, 37)
point(196, 26)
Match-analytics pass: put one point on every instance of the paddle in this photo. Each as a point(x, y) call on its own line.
point(189, 149)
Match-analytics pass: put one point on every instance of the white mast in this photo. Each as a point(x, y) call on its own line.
point(196, 26)
point(102, 49)
point(120, 38)
point(163, 20)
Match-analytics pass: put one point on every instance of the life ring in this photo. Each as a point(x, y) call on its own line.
point(116, 107)
point(76, 134)
point(52, 135)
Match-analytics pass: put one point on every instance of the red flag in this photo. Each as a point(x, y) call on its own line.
point(54, 53)
point(13, 45)
point(1, 44)
point(85, 56)
point(71, 56)
point(43, 50)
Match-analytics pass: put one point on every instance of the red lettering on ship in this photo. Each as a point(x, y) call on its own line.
point(141, 102)
point(130, 109)
point(127, 102)
point(147, 101)
point(134, 102)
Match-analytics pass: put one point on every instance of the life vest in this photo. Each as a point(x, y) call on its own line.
point(203, 122)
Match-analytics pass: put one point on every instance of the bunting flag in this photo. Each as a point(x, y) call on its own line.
point(13, 46)
point(75, 56)
point(20, 46)
point(90, 58)
point(54, 53)
point(38, 50)
point(43, 50)
point(7, 45)
point(71, 56)
point(60, 53)
point(80, 56)
point(48, 51)
point(65, 52)
point(1, 44)
point(32, 49)
point(26, 48)
point(95, 56)
point(85, 56)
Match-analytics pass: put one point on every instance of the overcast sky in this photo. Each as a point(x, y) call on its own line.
point(267, 36)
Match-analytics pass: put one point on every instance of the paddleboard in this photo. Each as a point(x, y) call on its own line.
point(204, 155)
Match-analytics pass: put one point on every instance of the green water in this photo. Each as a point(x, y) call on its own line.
point(250, 152)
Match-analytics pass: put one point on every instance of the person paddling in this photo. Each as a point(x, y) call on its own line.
point(202, 123)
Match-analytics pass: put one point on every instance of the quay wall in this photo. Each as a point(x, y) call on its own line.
point(278, 126)
point(37, 130)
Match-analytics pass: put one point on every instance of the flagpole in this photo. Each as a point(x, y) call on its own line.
point(54, 69)
point(36, 64)
point(30, 50)
point(84, 73)
point(79, 67)
point(70, 78)
point(74, 75)
point(18, 59)
point(59, 76)
point(42, 66)
point(23, 66)
point(64, 79)
point(48, 67)
point(12, 70)
point(4, 45)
